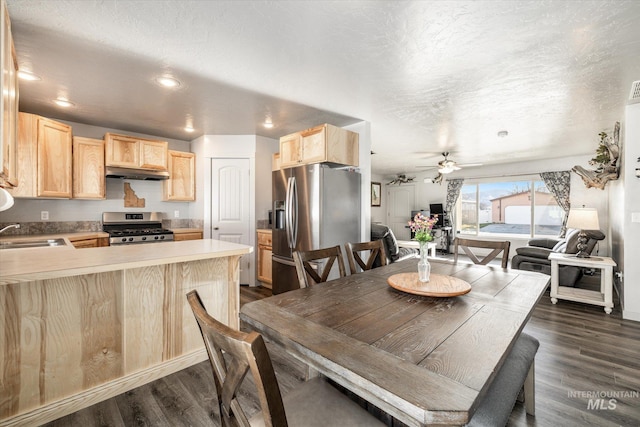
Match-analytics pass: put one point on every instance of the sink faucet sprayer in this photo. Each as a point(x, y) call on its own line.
point(16, 226)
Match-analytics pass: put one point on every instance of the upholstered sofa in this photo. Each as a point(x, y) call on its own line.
point(393, 252)
point(535, 256)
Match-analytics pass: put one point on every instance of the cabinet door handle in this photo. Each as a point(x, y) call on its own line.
point(216, 228)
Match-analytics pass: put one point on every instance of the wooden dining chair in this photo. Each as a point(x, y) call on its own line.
point(316, 265)
point(234, 353)
point(374, 250)
point(497, 246)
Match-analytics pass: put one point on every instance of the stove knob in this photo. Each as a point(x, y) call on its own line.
point(131, 239)
point(144, 237)
point(155, 237)
point(124, 239)
point(162, 237)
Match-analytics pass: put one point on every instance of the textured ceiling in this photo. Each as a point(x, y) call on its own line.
point(429, 76)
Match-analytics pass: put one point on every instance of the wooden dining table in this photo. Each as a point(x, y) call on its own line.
point(423, 360)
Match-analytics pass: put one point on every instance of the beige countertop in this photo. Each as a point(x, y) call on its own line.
point(17, 265)
point(71, 236)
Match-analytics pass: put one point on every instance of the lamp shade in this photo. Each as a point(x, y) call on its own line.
point(583, 219)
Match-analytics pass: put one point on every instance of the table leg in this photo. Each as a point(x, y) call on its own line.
point(555, 273)
point(606, 281)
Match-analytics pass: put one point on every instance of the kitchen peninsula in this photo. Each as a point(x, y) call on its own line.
point(78, 326)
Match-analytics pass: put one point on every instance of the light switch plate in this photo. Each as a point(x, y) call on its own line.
point(44, 215)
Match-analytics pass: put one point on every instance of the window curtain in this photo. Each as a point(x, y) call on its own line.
point(454, 186)
point(559, 183)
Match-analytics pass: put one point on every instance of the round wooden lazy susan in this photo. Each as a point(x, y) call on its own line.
point(437, 286)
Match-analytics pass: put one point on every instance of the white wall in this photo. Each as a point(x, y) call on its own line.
point(631, 230)
point(364, 161)
point(379, 213)
point(28, 210)
point(265, 148)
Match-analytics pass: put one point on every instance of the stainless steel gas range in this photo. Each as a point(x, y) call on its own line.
point(127, 228)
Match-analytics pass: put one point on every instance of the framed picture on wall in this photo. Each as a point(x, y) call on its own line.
point(376, 193)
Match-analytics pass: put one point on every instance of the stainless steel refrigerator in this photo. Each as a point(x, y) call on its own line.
point(314, 206)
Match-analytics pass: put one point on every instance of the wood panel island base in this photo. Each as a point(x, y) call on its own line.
point(81, 326)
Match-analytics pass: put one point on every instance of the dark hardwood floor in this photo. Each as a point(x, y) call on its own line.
point(584, 353)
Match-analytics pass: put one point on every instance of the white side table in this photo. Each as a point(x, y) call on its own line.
point(603, 298)
point(431, 246)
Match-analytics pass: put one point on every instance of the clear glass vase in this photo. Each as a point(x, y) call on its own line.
point(424, 268)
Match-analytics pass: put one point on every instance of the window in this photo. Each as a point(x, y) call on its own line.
point(508, 208)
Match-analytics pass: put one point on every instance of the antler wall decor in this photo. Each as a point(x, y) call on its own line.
point(606, 160)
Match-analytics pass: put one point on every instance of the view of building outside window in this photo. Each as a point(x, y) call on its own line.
point(509, 208)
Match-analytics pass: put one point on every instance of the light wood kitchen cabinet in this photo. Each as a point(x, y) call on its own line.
point(275, 162)
point(264, 257)
point(187, 234)
point(93, 242)
point(88, 168)
point(44, 159)
point(290, 150)
point(135, 153)
point(9, 103)
point(181, 185)
point(324, 143)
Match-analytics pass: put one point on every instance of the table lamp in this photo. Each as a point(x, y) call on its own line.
point(583, 219)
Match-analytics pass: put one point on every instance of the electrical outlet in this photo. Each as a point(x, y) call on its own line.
point(176, 214)
point(44, 215)
point(635, 216)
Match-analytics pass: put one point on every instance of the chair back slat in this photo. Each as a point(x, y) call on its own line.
point(309, 265)
point(232, 354)
point(497, 246)
point(375, 251)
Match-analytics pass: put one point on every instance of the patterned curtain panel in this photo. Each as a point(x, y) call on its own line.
point(453, 192)
point(559, 183)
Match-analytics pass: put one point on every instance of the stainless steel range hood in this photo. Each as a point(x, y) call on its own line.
point(126, 173)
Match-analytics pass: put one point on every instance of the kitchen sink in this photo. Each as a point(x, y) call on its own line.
point(32, 244)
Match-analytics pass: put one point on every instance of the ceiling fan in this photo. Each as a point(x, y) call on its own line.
point(401, 179)
point(446, 165)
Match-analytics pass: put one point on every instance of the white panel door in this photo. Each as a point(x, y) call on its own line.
point(401, 200)
point(230, 219)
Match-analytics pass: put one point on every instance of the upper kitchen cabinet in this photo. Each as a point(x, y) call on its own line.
point(9, 104)
point(136, 153)
point(88, 168)
point(181, 185)
point(44, 158)
point(324, 143)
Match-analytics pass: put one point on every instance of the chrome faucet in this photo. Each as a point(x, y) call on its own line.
point(16, 226)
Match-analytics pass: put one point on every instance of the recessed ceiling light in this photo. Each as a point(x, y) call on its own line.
point(503, 134)
point(28, 75)
point(63, 102)
point(189, 129)
point(167, 81)
point(268, 123)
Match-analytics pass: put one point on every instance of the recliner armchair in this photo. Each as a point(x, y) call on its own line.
point(535, 256)
point(393, 252)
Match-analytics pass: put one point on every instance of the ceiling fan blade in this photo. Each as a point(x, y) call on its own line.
point(470, 165)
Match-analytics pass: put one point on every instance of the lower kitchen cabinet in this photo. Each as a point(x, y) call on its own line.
point(93, 242)
point(264, 257)
point(186, 234)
